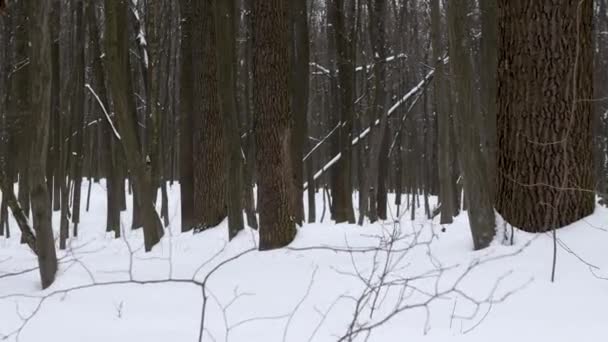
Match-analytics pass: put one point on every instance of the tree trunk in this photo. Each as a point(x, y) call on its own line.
point(272, 122)
point(480, 209)
point(40, 87)
point(78, 111)
point(209, 149)
point(545, 161)
point(249, 170)
point(186, 176)
point(343, 201)
point(444, 123)
point(226, 75)
point(117, 49)
point(300, 55)
point(378, 144)
point(488, 86)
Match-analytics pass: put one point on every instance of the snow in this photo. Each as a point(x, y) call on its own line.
point(301, 293)
point(105, 111)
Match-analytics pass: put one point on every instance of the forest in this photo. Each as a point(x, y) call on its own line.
point(303, 170)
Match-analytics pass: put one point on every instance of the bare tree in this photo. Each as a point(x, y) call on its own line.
point(225, 27)
point(467, 126)
point(40, 91)
point(119, 74)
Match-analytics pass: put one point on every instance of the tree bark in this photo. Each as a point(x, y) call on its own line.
point(300, 56)
point(186, 113)
point(117, 49)
point(226, 75)
point(447, 187)
point(40, 91)
point(343, 20)
point(480, 209)
point(209, 149)
point(377, 11)
point(272, 122)
point(545, 161)
point(488, 86)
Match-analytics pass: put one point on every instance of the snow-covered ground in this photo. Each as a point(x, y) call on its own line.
point(396, 281)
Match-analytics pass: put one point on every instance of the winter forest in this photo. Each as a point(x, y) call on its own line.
point(303, 170)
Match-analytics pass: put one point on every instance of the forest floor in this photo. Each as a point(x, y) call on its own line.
point(399, 280)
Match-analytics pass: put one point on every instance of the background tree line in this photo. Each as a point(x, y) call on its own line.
point(255, 106)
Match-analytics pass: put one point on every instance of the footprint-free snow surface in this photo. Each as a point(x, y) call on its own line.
point(395, 280)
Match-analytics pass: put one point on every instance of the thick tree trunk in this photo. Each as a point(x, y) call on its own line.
point(545, 161)
point(209, 149)
point(272, 122)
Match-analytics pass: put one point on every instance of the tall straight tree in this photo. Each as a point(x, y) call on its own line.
point(40, 91)
point(300, 56)
point(344, 20)
point(19, 98)
point(248, 111)
point(154, 17)
point(468, 126)
point(377, 29)
point(545, 160)
point(209, 138)
point(117, 49)
point(447, 186)
point(489, 61)
point(226, 74)
point(272, 122)
point(186, 93)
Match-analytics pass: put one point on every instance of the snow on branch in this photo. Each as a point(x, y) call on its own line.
point(419, 87)
point(321, 70)
point(105, 111)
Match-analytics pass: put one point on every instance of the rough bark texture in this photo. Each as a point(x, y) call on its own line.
point(209, 151)
point(40, 69)
point(272, 122)
point(545, 162)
